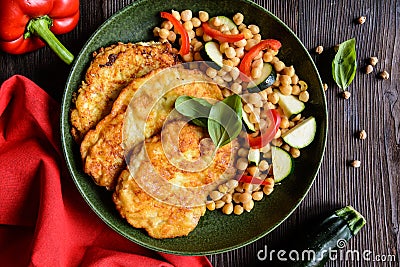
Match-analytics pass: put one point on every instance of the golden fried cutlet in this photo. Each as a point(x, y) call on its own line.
point(101, 149)
point(159, 219)
point(111, 70)
point(173, 209)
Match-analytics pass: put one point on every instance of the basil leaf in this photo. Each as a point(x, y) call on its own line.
point(344, 65)
point(196, 109)
point(224, 121)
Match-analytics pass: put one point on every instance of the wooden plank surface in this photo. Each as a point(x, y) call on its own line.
point(374, 188)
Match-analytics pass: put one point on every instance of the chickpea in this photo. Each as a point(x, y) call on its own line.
point(232, 183)
point(239, 52)
point(273, 98)
point(164, 33)
point(238, 18)
point(186, 15)
point(285, 89)
point(171, 36)
point(254, 29)
point(241, 164)
point(295, 152)
point(257, 37)
point(227, 209)
point(203, 16)
point(285, 80)
point(219, 204)
point(258, 63)
point(288, 71)
point(248, 206)
point(197, 46)
point(230, 52)
point(236, 196)
point(227, 198)
point(206, 38)
point(211, 72)
point(223, 188)
point(156, 31)
point(176, 14)
point(257, 196)
point(303, 85)
point(236, 88)
point(245, 197)
point(191, 34)
point(196, 22)
point(250, 44)
point(295, 79)
point(284, 122)
point(199, 31)
point(277, 141)
point(238, 209)
point(216, 195)
point(285, 147)
point(263, 165)
point(296, 89)
point(268, 57)
point(355, 163)
point(247, 34)
point(188, 25)
point(304, 96)
point(167, 25)
point(274, 60)
point(256, 73)
point(279, 66)
point(241, 43)
point(235, 72)
point(268, 189)
point(211, 206)
point(248, 108)
point(253, 170)
point(247, 187)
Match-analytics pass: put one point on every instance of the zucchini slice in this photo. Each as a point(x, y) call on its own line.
point(302, 134)
point(254, 156)
point(249, 125)
point(282, 163)
point(267, 78)
point(211, 52)
point(225, 21)
point(290, 104)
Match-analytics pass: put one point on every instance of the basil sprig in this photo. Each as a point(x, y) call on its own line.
point(223, 119)
point(344, 65)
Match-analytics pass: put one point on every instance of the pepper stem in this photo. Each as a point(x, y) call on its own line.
point(355, 221)
point(41, 27)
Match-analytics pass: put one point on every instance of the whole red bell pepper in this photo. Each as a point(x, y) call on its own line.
point(25, 24)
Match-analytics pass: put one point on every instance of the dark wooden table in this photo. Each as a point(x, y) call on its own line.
point(374, 188)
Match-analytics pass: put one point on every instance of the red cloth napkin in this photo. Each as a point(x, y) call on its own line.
point(43, 219)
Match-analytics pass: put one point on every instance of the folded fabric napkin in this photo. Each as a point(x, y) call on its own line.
point(43, 219)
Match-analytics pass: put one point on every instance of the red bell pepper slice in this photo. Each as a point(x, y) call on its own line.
point(245, 65)
point(185, 46)
point(222, 37)
point(265, 137)
point(253, 180)
point(24, 25)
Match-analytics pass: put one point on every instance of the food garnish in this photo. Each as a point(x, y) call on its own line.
point(344, 65)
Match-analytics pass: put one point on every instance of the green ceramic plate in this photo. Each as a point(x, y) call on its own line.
point(216, 232)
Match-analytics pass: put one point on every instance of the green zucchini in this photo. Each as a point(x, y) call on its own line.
point(224, 21)
point(290, 104)
point(212, 54)
point(267, 78)
point(332, 234)
point(282, 163)
point(302, 134)
point(254, 156)
point(250, 127)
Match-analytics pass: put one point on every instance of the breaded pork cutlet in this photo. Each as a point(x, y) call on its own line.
point(101, 149)
point(110, 71)
point(162, 213)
